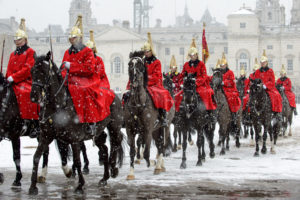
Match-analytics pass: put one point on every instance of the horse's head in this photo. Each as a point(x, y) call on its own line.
point(217, 78)
point(137, 70)
point(256, 86)
point(189, 88)
point(167, 82)
point(40, 75)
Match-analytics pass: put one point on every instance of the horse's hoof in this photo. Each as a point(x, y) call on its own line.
point(227, 148)
point(157, 171)
point(114, 172)
point(256, 154)
point(16, 184)
point(174, 150)
point(86, 170)
point(290, 135)
point(199, 163)
point(152, 163)
point(138, 162)
point(163, 169)
point(130, 177)
point(222, 152)
point(212, 155)
point(285, 136)
point(219, 143)
point(41, 179)
point(102, 183)
point(273, 151)
point(79, 190)
point(183, 165)
point(263, 150)
point(33, 191)
point(70, 173)
point(179, 147)
point(1, 178)
point(191, 143)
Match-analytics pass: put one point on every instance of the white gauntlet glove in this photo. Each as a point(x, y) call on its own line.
point(10, 79)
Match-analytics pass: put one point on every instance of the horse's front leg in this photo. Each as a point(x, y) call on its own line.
point(63, 149)
point(199, 145)
point(86, 169)
point(1, 178)
point(184, 145)
point(131, 143)
point(265, 136)
point(175, 139)
point(42, 177)
point(159, 142)
point(257, 137)
point(77, 163)
point(100, 142)
point(43, 143)
point(17, 159)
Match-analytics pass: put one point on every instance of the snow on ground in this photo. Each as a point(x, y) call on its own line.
point(237, 166)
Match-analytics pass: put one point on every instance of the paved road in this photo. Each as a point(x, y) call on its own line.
point(58, 187)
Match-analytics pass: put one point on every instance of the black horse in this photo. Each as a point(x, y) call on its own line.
point(57, 121)
point(262, 115)
point(141, 116)
point(13, 127)
point(287, 112)
point(169, 85)
point(246, 120)
point(193, 115)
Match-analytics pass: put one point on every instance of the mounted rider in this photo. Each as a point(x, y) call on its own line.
point(18, 74)
point(202, 85)
point(267, 76)
point(230, 90)
point(244, 79)
point(100, 68)
point(174, 75)
point(91, 102)
point(286, 85)
point(247, 86)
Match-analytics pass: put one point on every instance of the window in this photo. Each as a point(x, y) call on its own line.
point(270, 47)
point(242, 25)
point(167, 51)
point(290, 65)
point(181, 51)
point(289, 46)
point(270, 63)
point(269, 16)
point(226, 50)
point(243, 64)
point(243, 56)
point(117, 65)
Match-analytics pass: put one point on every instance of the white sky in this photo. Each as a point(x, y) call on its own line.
point(40, 13)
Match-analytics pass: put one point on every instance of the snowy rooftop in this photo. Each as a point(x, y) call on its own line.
point(243, 11)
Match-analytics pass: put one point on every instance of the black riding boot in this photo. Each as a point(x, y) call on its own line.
point(295, 111)
point(25, 127)
point(163, 116)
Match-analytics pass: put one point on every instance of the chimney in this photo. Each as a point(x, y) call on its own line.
point(126, 24)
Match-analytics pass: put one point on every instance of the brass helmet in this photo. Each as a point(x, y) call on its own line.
point(264, 57)
point(223, 61)
point(21, 32)
point(91, 42)
point(148, 46)
point(243, 72)
point(218, 64)
point(256, 65)
point(77, 30)
point(193, 48)
point(282, 71)
point(173, 63)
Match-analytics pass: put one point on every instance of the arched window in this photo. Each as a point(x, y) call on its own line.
point(243, 61)
point(117, 65)
point(243, 56)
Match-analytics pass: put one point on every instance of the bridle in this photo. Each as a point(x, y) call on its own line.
point(44, 87)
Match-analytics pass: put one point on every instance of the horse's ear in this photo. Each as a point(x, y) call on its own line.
point(130, 54)
point(48, 56)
